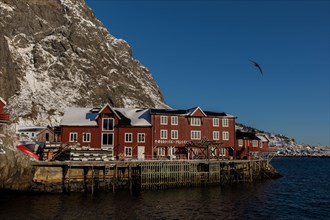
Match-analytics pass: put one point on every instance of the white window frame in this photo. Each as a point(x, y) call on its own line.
point(222, 152)
point(108, 119)
point(225, 135)
point(86, 137)
point(73, 137)
point(161, 151)
point(255, 143)
point(141, 137)
point(107, 144)
point(163, 134)
point(195, 121)
point(240, 142)
point(216, 135)
point(163, 120)
point(215, 122)
point(195, 135)
point(174, 134)
point(174, 120)
point(225, 122)
point(128, 138)
point(128, 151)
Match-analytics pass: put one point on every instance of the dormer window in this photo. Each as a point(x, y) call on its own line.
point(107, 124)
point(195, 121)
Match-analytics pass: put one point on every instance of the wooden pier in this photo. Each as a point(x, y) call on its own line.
point(66, 176)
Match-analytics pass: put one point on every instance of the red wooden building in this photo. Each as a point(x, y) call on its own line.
point(4, 117)
point(148, 133)
point(248, 142)
point(125, 132)
point(179, 133)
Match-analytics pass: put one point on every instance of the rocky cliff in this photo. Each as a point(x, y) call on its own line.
point(16, 172)
point(55, 54)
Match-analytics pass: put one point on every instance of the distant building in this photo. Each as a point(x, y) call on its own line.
point(248, 142)
point(4, 117)
point(29, 132)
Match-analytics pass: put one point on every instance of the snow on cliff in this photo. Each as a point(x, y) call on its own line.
point(56, 54)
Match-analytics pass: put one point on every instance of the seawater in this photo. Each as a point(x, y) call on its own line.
point(302, 193)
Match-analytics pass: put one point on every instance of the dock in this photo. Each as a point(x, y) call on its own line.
point(90, 176)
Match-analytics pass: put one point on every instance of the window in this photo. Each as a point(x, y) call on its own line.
point(141, 137)
point(195, 135)
point(240, 143)
point(195, 121)
point(222, 152)
point(255, 143)
point(107, 139)
point(163, 120)
point(215, 122)
point(128, 152)
point(163, 134)
point(225, 122)
point(107, 124)
point(174, 134)
point(216, 135)
point(174, 120)
point(128, 138)
point(73, 137)
point(161, 151)
point(225, 135)
point(86, 137)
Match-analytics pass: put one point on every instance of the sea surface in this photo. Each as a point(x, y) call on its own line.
point(302, 193)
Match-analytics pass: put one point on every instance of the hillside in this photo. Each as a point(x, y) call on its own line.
point(286, 146)
point(57, 54)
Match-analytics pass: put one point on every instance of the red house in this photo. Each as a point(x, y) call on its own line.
point(125, 132)
point(4, 117)
point(175, 130)
point(248, 142)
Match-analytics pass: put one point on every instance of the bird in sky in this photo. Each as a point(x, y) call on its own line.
point(258, 66)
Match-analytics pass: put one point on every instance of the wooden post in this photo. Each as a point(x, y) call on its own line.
point(130, 178)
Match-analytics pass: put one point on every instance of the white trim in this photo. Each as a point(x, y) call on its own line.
point(113, 139)
point(89, 137)
point(175, 132)
point(144, 137)
point(176, 120)
point(126, 135)
point(113, 124)
point(225, 135)
point(197, 135)
point(3, 101)
point(76, 136)
point(165, 134)
point(165, 120)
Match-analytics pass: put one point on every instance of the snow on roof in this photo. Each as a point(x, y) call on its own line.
point(79, 117)
point(262, 138)
point(138, 117)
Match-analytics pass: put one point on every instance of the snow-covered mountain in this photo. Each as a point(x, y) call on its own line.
point(56, 54)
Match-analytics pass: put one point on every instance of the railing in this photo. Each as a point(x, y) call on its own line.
point(4, 117)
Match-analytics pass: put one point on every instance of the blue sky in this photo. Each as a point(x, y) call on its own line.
point(198, 52)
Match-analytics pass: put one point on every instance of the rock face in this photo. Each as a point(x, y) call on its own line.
point(55, 54)
point(16, 172)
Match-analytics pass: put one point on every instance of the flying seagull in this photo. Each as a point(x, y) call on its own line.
point(258, 66)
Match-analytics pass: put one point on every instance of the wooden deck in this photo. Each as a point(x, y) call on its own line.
point(146, 175)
